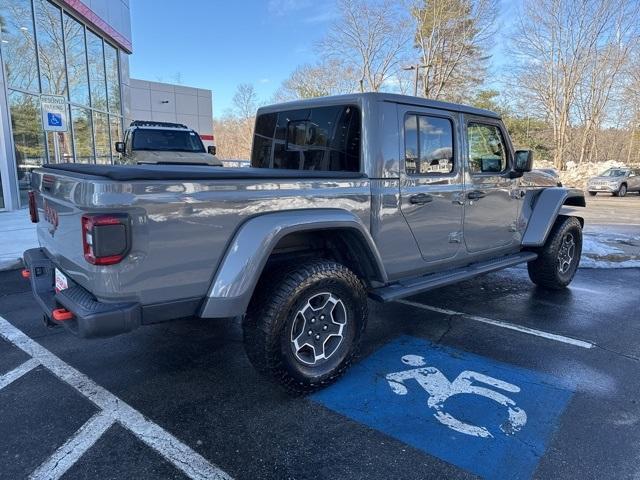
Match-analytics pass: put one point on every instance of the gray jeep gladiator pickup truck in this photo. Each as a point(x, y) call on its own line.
point(351, 197)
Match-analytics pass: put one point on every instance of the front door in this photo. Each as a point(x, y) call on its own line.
point(634, 180)
point(431, 186)
point(492, 199)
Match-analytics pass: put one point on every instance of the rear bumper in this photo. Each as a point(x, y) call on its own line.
point(91, 318)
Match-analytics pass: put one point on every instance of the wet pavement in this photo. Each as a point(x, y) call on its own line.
point(491, 377)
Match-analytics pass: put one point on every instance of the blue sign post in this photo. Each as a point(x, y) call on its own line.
point(487, 417)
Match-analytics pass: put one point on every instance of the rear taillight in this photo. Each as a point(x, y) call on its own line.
point(33, 207)
point(105, 238)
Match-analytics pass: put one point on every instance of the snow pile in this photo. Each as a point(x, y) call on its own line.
point(577, 175)
point(610, 251)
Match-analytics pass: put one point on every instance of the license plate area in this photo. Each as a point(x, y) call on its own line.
point(61, 281)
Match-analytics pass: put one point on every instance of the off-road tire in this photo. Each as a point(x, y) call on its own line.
point(545, 271)
point(622, 191)
point(593, 194)
point(276, 307)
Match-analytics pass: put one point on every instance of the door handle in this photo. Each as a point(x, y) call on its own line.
point(476, 194)
point(420, 199)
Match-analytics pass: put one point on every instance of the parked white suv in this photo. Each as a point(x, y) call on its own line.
point(156, 143)
point(617, 181)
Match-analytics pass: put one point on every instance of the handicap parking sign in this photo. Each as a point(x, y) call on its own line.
point(487, 417)
point(54, 119)
point(54, 110)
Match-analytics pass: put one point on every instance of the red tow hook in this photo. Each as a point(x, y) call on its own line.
point(26, 274)
point(61, 315)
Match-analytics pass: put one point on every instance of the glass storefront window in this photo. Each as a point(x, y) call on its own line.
point(18, 45)
point(101, 136)
point(53, 76)
point(82, 134)
point(113, 79)
point(97, 80)
point(77, 71)
point(115, 127)
point(28, 137)
point(46, 50)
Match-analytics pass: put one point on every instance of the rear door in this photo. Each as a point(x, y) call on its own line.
point(431, 185)
point(634, 180)
point(492, 198)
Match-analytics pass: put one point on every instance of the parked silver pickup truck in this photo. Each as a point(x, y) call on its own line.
point(368, 195)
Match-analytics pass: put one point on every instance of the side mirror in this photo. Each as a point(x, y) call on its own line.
point(120, 147)
point(211, 149)
point(490, 165)
point(524, 161)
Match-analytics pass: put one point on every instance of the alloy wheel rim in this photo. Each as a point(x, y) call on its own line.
point(317, 329)
point(567, 253)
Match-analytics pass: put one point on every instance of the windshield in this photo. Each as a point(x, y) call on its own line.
point(167, 140)
point(614, 172)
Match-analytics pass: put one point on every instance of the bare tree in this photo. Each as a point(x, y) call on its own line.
point(245, 101)
point(234, 131)
point(555, 46)
point(329, 77)
point(452, 38)
point(602, 78)
point(631, 100)
point(371, 37)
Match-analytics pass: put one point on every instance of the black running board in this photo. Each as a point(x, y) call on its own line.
point(413, 286)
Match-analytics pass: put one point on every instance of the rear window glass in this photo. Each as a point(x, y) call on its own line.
point(321, 139)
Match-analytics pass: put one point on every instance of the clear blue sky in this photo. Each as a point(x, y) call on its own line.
point(220, 44)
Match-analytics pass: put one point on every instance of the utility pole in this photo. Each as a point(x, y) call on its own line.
point(417, 68)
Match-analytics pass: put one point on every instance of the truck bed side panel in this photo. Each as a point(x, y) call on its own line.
point(180, 229)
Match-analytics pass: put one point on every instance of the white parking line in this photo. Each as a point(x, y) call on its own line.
point(180, 455)
point(17, 372)
point(501, 324)
point(69, 453)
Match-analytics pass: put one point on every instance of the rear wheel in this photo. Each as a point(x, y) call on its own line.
point(303, 327)
point(593, 194)
point(558, 260)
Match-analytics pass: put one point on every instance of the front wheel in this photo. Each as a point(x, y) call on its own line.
point(303, 327)
point(558, 259)
point(622, 191)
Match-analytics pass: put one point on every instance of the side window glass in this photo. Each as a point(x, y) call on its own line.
point(428, 145)
point(411, 144)
point(128, 143)
point(487, 151)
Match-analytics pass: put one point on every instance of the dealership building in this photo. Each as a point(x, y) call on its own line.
point(78, 50)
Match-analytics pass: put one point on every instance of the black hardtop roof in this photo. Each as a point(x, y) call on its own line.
point(359, 98)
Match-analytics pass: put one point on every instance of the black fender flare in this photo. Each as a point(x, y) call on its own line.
point(548, 204)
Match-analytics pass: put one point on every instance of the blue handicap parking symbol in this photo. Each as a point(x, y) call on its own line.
point(487, 417)
point(54, 119)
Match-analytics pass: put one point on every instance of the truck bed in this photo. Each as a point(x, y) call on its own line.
point(182, 219)
point(191, 172)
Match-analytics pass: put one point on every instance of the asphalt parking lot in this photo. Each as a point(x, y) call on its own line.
point(605, 209)
point(527, 383)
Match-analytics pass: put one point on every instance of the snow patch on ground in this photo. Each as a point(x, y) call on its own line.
point(610, 250)
point(18, 235)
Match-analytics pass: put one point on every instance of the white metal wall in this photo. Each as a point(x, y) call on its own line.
point(164, 102)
